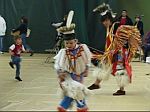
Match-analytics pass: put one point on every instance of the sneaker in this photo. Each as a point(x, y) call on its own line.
point(18, 78)
point(119, 92)
point(93, 86)
point(11, 65)
point(1, 52)
point(32, 53)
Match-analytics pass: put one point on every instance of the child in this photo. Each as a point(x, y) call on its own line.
point(15, 51)
point(74, 62)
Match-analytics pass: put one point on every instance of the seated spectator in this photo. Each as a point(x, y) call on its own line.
point(146, 45)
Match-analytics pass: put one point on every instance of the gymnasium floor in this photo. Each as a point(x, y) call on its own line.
point(38, 91)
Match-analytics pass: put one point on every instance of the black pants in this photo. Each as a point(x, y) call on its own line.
point(146, 51)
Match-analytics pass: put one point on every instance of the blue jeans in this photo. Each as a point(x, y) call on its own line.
point(26, 46)
point(67, 101)
point(1, 43)
point(16, 61)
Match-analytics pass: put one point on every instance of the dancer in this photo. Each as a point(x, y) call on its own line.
point(107, 17)
point(124, 44)
point(72, 64)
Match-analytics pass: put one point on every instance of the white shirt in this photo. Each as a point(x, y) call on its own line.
point(2, 26)
point(12, 47)
point(61, 61)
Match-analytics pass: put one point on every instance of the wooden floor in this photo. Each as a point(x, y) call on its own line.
point(39, 88)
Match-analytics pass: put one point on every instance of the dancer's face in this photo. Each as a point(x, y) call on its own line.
point(107, 23)
point(70, 44)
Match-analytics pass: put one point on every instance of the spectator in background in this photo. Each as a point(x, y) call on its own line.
point(59, 37)
point(23, 32)
point(146, 46)
point(124, 19)
point(2, 32)
point(139, 24)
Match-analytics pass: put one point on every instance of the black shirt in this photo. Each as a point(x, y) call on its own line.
point(22, 28)
point(140, 27)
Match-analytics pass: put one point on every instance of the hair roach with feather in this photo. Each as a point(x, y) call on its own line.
point(103, 9)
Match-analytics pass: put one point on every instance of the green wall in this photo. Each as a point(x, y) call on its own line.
point(42, 13)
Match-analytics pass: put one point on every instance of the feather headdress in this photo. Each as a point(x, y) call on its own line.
point(103, 9)
point(69, 28)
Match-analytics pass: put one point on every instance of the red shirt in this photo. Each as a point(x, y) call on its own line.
point(17, 49)
point(123, 21)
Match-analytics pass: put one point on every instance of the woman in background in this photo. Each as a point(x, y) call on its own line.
point(139, 24)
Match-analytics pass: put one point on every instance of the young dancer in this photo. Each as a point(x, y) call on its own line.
point(72, 63)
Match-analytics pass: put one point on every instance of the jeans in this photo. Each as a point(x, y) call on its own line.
point(16, 61)
point(1, 43)
point(26, 46)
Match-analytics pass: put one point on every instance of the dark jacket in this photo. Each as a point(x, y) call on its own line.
point(22, 28)
point(147, 39)
point(128, 21)
point(140, 27)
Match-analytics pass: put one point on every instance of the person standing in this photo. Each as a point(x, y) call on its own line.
point(23, 33)
point(124, 19)
point(2, 32)
point(139, 24)
point(118, 52)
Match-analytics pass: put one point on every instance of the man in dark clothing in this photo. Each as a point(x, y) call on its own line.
point(124, 19)
point(22, 29)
